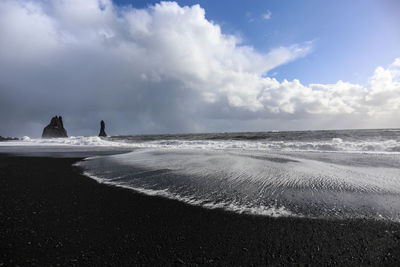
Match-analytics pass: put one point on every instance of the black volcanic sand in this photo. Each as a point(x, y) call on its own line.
point(50, 214)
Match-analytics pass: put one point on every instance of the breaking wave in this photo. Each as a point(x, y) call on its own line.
point(332, 145)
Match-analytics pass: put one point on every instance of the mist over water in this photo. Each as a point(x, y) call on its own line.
point(329, 174)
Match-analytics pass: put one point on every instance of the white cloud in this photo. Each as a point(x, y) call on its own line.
point(267, 15)
point(161, 69)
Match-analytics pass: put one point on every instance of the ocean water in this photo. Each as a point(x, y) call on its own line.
point(317, 174)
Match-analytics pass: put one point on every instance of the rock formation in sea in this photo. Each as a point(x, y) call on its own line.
point(55, 128)
point(102, 129)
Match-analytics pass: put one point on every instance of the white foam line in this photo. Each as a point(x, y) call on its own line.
point(275, 212)
point(336, 145)
point(265, 211)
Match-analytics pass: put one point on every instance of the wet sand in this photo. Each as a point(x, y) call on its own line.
point(51, 214)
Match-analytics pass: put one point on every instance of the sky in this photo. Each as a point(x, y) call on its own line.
point(149, 67)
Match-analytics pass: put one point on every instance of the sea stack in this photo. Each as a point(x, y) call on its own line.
point(55, 128)
point(102, 127)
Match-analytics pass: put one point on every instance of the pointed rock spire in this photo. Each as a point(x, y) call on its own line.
point(102, 129)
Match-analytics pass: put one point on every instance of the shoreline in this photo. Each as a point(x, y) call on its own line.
point(51, 213)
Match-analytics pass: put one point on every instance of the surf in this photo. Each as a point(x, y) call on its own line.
point(275, 184)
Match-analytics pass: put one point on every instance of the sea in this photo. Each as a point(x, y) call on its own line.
point(333, 174)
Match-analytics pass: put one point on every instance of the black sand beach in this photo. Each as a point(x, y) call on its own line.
point(50, 214)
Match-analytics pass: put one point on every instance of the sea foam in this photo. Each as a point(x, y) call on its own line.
point(332, 145)
point(339, 174)
point(258, 183)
